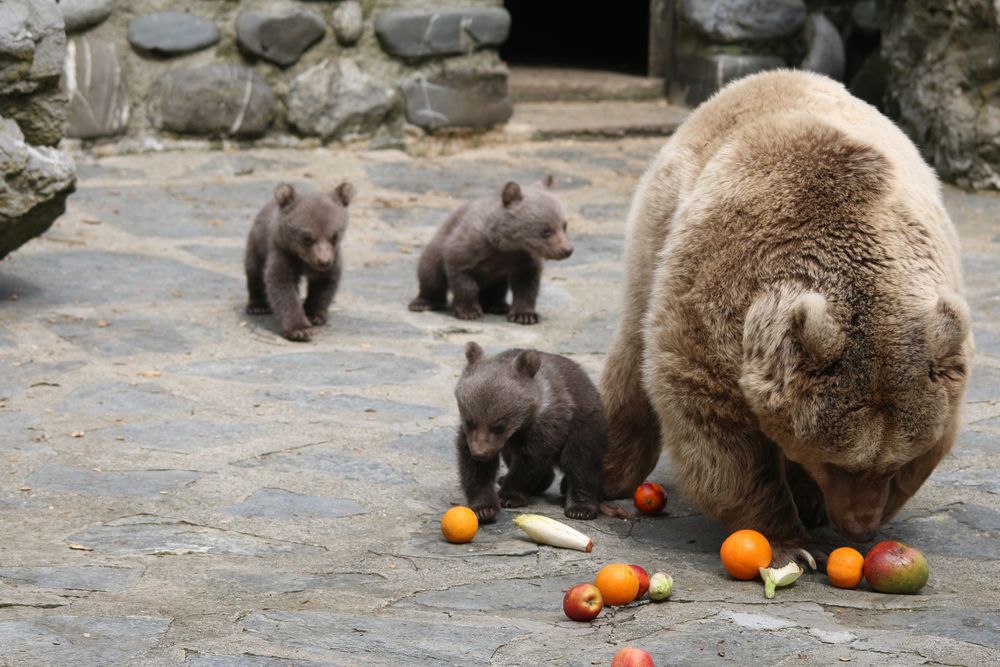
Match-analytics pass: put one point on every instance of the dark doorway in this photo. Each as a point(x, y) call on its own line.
point(583, 34)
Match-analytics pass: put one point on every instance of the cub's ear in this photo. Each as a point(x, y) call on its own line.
point(284, 194)
point(946, 333)
point(548, 182)
point(511, 193)
point(473, 352)
point(527, 363)
point(343, 194)
point(821, 337)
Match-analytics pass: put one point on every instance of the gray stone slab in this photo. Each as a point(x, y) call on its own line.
point(382, 639)
point(436, 445)
point(171, 33)
point(314, 369)
point(412, 215)
point(19, 428)
point(613, 212)
point(984, 384)
point(279, 39)
point(54, 278)
point(62, 640)
point(195, 659)
point(296, 582)
point(387, 282)
point(96, 88)
point(978, 443)
point(506, 597)
point(146, 535)
point(972, 625)
point(223, 254)
point(979, 477)
point(502, 539)
point(738, 20)
point(330, 460)
point(593, 336)
point(182, 436)
point(462, 179)
point(419, 33)
point(461, 99)
point(119, 399)
point(131, 483)
point(100, 578)
point(282, 504)
point(130, 336)
point(340, 407)
point(963, 531)
point(82, 14)
point(243, 164)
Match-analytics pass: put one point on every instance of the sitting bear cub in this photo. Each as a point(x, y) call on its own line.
point(536, 411)
point(793, 330)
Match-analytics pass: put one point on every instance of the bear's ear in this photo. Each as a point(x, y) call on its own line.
point(821, 337)
point(473, 352)
point(511, 193)
point(548, 182)
point(946, 332)
point(343, 194)
point(527, 363)
point(284, 194)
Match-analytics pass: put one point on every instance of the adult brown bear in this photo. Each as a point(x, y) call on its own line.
point(793, 329)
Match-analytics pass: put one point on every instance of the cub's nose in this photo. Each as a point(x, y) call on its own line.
point(324, 264)
point(567, 251)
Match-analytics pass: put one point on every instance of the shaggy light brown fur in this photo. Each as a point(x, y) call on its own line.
point(793, 330)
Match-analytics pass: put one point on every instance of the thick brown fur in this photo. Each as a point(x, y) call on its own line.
point(537, 411)
point(489, 246)
point(295, 235)
point(793, 330)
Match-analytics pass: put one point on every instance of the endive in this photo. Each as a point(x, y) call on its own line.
point(544, 530)
point(782, 576)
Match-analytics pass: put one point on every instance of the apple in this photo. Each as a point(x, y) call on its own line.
point(632, 657)
point(643, 581)
point(661, 585)
point(650, 498)
point(894, 567)
point(583, 602)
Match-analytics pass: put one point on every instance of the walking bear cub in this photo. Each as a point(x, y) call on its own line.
point(295, 235)
point(537, 411)
point(793, 329)
point(490, 245)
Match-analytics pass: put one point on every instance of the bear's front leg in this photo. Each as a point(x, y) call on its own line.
point(465, 296)
point(322, 289)
point(282, 281)
point(526, 476)
point(524, 285)
point(478, 480)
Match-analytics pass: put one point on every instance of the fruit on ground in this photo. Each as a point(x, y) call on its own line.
point(894, 567)
point(650, 498)
point(459, 525)
point(661, 585)
point(583, 602)
point(643, 581)
point(618, 582)
point(744, 553)
point(632, 657)
point(844, 567)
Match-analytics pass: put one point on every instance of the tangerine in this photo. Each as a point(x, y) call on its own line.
point(618, 583)
point(459, 524)
point(744, 553)
point(844, 567)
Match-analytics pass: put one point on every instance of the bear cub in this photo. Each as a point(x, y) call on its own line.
point(489, 246)
point(295, 235)
point(536, 411)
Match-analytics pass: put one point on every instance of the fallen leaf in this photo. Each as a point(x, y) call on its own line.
point(79, 547)
point(102, 324)
point(216, 223)
point(42, 384)
point(25, 488)
point(76, 434)
point(91, 221)
point(150, 374)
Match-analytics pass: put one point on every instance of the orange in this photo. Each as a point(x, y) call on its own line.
point(844, 567)
point(459, 525)
point(744, 553)
point(618, 583)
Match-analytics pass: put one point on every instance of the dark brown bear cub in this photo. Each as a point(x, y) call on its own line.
point(537, 411)
point(489, 246)
point(295, 235)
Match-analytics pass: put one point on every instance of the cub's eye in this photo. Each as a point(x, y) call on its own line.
point(565, 225)
point(469, 424)
point(308, 239)
point(547, 232)
point(334, 238)
point(499, 428)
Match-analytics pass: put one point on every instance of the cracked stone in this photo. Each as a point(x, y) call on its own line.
point(119, 399)
point(127, 336)
point(434, 445)
point(219, 99)
point(505, 597)
point(146, 535)
point(171, 33)
point(330, 460)
point(99, 578)
point(502, 539)
point(195, 659)
point(347, 408)
point(132, 483)
point(418, 33)
point(96, 89)
point(461, 99)
point(964, 531)
point(297, 582)
point(281, 504)
point(187, 436)
point(756, 621)
point(279, 39)
point(80, 640)
point(32, 46)
point(336, 99)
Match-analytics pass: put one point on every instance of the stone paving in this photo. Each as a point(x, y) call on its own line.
point(180, 485)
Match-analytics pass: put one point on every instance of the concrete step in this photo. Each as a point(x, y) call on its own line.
point(559, 84)
point(550, 120)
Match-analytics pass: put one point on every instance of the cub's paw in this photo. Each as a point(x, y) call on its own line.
point(523, 318)
point(419, 305)
point(581, 511)
point(499, 308)
point(809, 555)
point(469, 313)
point(258, 309)
point(299, 335)
point(317, 320)
point(513, 499)
point(487, 514)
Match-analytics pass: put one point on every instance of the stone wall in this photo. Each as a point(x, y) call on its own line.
point(943, 59)
point(35, 178)
point(372, 70)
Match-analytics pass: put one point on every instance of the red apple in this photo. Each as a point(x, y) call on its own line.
point(894, 567)
point(643, 581)
point(650, 498)
point(632, 657)
point(583, 602)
